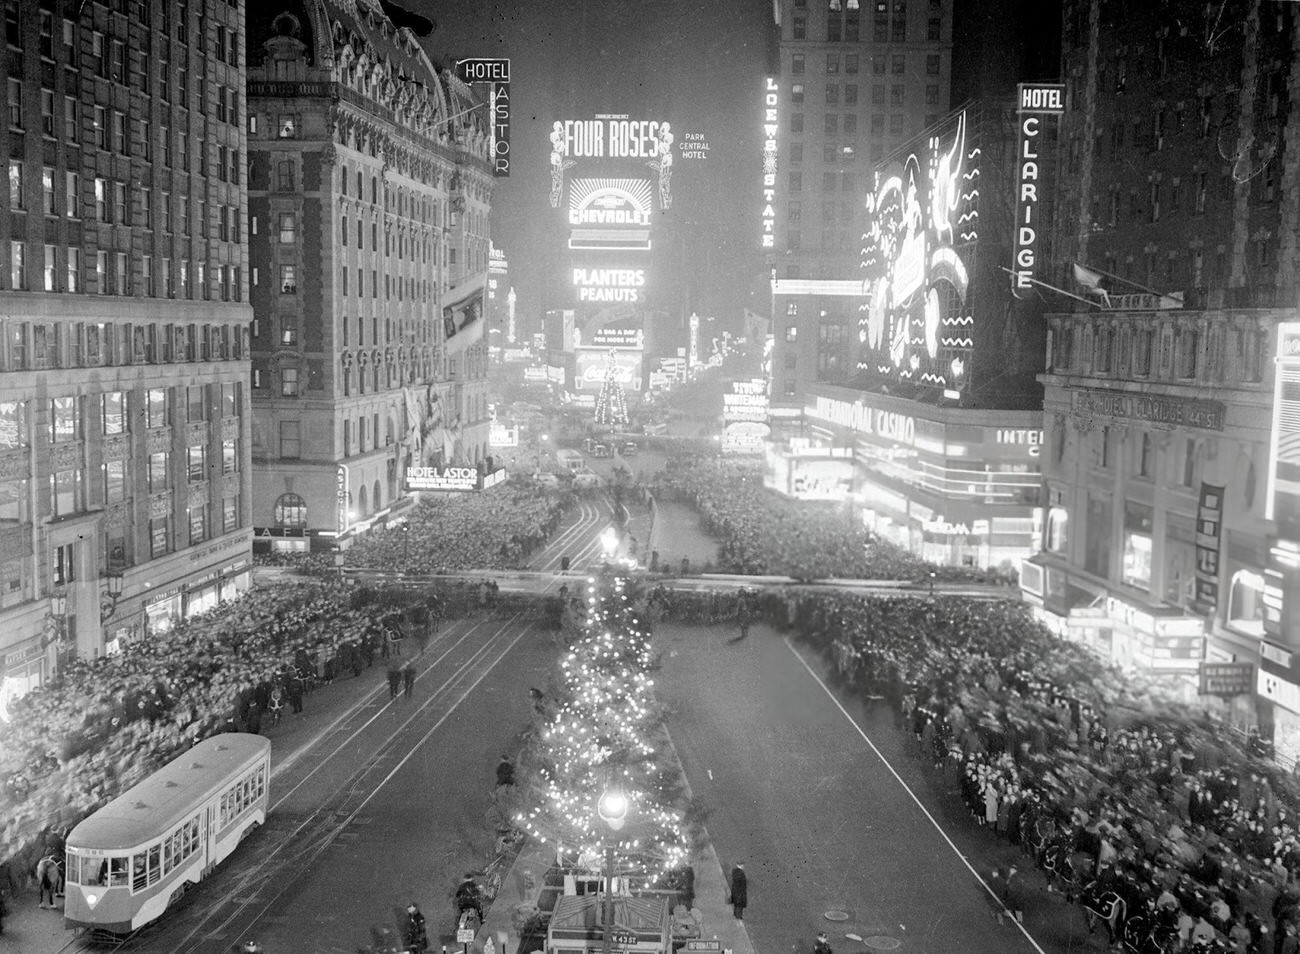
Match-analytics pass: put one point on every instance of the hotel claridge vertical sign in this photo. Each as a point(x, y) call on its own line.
point(1034, 102)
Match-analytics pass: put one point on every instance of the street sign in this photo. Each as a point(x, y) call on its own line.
point(703, 946)
point(465, 935)
point(1227, 678)
point(622, 938)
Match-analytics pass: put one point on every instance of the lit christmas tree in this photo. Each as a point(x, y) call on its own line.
point(611, 402)
point(603, 729)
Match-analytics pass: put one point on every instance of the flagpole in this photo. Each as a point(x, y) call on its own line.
point(1059, 291)
point(1149, 291)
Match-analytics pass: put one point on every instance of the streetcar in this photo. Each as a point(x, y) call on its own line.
point(131, 860)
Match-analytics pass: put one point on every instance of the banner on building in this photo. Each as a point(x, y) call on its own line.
point(462, 313)
point(1209, 524)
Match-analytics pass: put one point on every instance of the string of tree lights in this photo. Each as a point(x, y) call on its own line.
point(602, 732)
point(611, 402)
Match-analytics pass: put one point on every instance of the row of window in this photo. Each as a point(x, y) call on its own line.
point(114, 411)
point(244, 794)
point(897, 94)
point(33, 346)
point(846, 26)
point(895, 63)
point(1180, 352)
point(832, 128)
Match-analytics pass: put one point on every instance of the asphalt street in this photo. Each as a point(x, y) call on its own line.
point(796, 787)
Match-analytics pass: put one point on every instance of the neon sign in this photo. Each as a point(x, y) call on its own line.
point(496, 72)
point(916, 324)
point(769, 163)
point(1035, 101)
point(610, 214)
point(609, 285)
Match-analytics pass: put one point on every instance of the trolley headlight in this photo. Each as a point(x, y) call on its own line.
point(92, 899)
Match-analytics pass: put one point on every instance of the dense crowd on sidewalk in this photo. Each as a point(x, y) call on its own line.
point(71, 745)
point(762, 532)
point(1102, 777)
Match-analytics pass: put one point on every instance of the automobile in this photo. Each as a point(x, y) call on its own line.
point(629, 449)
point(551, 481)
point(601, 450)
point(586, 480)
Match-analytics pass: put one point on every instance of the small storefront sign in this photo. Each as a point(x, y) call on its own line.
point(1226, 678)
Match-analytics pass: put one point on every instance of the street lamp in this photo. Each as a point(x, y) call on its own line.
point(112, 593)
point(612, 809)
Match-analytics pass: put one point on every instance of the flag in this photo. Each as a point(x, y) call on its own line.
point(462, 313)
point(1091, 282)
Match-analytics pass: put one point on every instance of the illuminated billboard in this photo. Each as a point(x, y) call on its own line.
point(609, 285)
point(593, 365)
point(610, 214)
point(918, 256)
point(1283, 503)
point(649, 142)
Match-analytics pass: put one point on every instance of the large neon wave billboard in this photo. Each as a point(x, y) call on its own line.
point(918, 254)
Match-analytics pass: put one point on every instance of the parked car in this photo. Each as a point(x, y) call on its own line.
point(586, 480)
point(601, 450)
point(629, 449)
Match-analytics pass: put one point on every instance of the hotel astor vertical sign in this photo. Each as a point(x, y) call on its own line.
point(496, 72)
point(1035, 101)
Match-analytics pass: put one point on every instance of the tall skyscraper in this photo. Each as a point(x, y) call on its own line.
point(124, 427)
point(369, 190)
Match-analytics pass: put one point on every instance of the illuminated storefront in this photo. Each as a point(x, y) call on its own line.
point(957, 486)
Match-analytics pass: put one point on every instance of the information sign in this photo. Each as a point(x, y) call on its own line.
point(698, 947)
point(623, 938)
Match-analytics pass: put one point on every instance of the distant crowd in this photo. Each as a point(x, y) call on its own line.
point(764, 533)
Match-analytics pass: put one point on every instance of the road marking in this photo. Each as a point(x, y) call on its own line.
point(898, 778)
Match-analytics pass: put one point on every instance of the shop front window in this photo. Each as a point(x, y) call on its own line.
point(1246, 603)
point(1137, 545)
point(1058, 521)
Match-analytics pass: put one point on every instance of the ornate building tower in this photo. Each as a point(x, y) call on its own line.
point(369, 187)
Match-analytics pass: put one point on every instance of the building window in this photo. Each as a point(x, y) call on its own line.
point(1103, 436)
point(1137, 545)
point(159, 534)
point(66, 494)
point(1188, 476)
point(198, 519)
point(1186, 346)
point(159, 464)
point(229, 514)
point(65, 424)
point(290, 440)
point(288, 280)
point(799, 27)
point(797, 64)
point(289, 382)
point(288, 228)
point(74, 270)
point(114, 476)
point(157, 407)
point(229, 458)
point(113, 412)
point(932, 64)
point(196, 463)
point(1246, 603)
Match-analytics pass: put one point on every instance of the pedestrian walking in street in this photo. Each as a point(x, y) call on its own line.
point(822, 945)
point(394, 680)
point(253, 722)
point(739, 891)
point(295, 694)
point(408, 679)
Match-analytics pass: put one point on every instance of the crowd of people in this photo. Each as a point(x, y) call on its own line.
point(496, 529)
point(1117, 789)
point(765, 533)
point(73, 744)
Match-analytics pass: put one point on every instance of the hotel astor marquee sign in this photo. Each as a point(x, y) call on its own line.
point(454, 479)
point(1162, 410)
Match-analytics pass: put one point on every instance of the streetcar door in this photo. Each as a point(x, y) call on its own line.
point(209, 831)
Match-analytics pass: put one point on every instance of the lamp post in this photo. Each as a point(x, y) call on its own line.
point(112, 593)
point(612, 808)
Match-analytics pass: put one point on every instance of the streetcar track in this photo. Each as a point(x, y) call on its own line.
point(289, 882)
point(294, 848)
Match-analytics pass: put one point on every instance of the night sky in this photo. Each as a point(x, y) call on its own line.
point(699, 66)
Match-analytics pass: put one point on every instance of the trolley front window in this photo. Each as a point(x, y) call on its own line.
point(72, 869)
point(114, 872)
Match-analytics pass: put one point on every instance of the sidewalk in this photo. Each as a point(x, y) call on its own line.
point(31, 930)
point(711, 908)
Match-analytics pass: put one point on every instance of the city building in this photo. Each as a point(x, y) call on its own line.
point(931, 418)
point(124, 405)
point(1176, 227)
point(369, 189)
point(855, 82)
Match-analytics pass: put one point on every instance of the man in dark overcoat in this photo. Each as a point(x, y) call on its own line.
point(739, 891)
